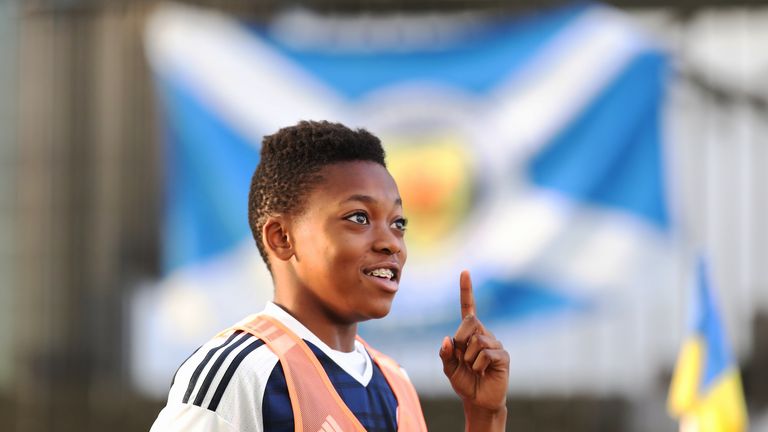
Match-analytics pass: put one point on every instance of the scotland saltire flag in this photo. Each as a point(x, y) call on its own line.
point(706, 393)
point(528, 150)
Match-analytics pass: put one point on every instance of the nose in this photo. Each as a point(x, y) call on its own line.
point(387, 242)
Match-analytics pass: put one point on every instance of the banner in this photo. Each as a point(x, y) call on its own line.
point(527, 150)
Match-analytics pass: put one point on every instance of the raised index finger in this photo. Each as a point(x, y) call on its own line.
point(466, 296)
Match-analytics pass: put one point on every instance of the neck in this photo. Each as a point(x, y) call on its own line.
point(322, 322)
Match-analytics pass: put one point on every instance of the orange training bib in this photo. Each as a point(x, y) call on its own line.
point(317, 406)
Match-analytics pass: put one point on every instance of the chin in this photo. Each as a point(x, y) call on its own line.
point(380, 309)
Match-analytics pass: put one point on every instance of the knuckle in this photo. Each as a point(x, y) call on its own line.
point(486, 341)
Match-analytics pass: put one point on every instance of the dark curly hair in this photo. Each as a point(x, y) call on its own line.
point(291, 160)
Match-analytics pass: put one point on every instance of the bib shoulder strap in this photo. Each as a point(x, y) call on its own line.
point(410, 418)
point(317, 406)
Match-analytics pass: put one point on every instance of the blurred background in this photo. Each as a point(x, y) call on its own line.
point(578, 158)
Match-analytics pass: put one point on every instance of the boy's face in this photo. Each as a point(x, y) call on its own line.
point(348, 243)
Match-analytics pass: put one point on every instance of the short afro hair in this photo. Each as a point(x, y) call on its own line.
point(291, 160)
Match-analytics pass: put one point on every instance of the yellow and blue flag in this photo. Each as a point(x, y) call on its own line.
point(706, 393)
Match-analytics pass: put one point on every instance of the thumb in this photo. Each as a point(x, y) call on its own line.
point(450, 362)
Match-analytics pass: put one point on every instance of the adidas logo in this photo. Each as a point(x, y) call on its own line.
point(330, 425)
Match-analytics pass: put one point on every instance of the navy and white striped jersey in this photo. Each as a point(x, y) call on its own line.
point(236, 383)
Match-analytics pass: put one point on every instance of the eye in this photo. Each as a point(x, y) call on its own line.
point(400, 224)
point(358, 218)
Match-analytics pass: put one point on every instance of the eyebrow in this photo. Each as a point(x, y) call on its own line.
point(369, 199)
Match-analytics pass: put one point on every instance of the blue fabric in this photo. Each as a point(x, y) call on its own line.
point(209, 167)
point(520, 298)
point(710, 328)
point(374, 405)
point(608, 157)
point(611, 155)
point(477, 62)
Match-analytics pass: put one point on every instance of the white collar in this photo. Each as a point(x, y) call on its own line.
point(275, 311)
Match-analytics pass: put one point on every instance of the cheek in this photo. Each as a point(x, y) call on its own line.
point(345, 252)
point(351, 252)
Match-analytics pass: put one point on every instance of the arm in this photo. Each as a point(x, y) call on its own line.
point(477, 366)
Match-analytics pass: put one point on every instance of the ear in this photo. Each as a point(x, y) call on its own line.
point(276, 238)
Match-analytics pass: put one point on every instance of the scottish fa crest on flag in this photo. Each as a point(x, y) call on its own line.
point(527, 150)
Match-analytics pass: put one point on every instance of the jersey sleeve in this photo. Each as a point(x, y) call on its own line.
point(219, 388)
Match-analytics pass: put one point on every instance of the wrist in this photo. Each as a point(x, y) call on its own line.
point(481, 419)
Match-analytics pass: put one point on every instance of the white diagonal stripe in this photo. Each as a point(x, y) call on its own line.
point(254, 87)
point(566, 76)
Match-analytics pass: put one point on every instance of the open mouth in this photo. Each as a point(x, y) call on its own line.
point(383, 273)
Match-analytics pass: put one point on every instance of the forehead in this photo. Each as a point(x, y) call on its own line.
point(345, 179)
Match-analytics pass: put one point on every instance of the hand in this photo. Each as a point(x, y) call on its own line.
point(474, 361)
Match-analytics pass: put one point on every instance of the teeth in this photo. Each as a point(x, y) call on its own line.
point(382, 272)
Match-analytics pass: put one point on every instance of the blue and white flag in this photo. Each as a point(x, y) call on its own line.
point(528, 150)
